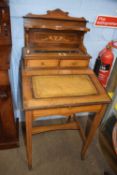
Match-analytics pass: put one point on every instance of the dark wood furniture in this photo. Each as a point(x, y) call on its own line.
point(56, 79)
point(114, 137)
point(8, 129)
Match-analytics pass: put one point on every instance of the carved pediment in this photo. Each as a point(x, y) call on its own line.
point(56, 13)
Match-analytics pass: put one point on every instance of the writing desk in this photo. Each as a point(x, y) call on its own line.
point(58, 100)
point(56, 79)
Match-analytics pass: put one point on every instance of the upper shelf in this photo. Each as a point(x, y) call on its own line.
point(57, 14)
point(58, 27)
point(55, 20)
point(55, 30)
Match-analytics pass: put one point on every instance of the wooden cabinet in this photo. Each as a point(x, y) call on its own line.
point(8, 126)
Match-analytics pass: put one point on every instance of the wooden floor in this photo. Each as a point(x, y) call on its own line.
point(54, 153)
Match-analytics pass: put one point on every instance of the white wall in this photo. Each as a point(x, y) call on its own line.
point(94, 40)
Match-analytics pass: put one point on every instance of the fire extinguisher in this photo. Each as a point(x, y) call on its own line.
point(104, 62)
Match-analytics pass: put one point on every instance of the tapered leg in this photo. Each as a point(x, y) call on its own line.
point(95, 123)
point(28, 116)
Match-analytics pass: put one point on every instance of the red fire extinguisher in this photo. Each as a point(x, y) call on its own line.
point(104, 62)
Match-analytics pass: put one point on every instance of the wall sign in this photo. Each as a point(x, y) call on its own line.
point(106, 21)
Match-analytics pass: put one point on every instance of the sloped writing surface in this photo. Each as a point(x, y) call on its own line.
point(62, 86)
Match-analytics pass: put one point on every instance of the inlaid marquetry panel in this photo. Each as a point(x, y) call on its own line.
point(53, 39)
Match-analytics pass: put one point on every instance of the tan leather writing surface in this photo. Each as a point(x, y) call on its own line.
point(62, 86)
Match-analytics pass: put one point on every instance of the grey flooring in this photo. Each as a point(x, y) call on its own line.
point(54, 153)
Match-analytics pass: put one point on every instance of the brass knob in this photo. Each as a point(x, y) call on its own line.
point(28, 51)
point(42, 63)
point(73, 63)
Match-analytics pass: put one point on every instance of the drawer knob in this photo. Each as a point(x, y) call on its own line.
point(74, 63)
point(42, 63)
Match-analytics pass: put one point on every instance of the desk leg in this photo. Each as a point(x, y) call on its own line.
point(95, 123)
point(28, 115)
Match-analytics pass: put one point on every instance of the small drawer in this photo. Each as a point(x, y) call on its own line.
point(41, 63)
point(74, 63)
point(4, 79)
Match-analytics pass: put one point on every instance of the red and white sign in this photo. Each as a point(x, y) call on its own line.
point(106, 21)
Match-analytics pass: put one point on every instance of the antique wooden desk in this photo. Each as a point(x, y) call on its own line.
point(56, 79)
